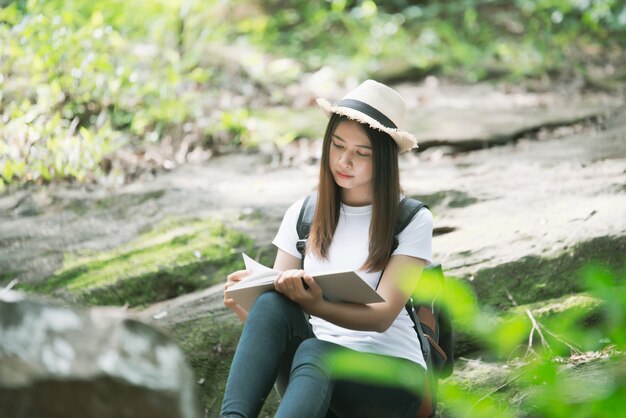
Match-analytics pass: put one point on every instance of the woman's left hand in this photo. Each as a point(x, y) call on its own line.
point(291, 283)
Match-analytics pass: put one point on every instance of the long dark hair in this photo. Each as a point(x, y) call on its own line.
point(385, 192)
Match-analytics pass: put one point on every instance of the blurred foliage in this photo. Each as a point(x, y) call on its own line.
point(80, 79)
point(469, 39)
point(543, 382)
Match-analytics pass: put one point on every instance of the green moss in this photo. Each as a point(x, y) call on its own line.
point(210, 345)
point(533, 279)
point(6, 277)
point(176, 257)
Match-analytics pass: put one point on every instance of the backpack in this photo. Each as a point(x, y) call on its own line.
point(431, 323)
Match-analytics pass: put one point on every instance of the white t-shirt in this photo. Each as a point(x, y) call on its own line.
point(349, 250)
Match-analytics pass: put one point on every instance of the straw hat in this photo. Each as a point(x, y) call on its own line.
point(378, 106)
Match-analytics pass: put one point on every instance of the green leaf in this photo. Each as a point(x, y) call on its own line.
point(10, 14)
point(7, 171)
point(44, 171)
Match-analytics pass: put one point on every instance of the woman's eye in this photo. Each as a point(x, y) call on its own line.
point(336, 145)
point(360, 154)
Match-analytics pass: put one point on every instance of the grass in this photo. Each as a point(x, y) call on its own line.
point(6, 277)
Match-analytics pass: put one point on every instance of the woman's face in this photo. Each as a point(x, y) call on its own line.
point(351, 161)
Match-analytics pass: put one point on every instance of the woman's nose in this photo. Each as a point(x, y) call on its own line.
point(345, 159)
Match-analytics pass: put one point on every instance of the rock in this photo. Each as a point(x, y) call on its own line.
point(577, 383)
point(397, 69)
point(61, 361)
point(477, 116)
point(587, 385)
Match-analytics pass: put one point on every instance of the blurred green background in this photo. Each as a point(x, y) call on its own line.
point(81, 79)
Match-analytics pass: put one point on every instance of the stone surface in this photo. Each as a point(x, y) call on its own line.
point(535, 197)
point(60, 361)
point(473, 117)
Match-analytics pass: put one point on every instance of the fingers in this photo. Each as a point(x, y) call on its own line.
point(287, 280)
point(292, 284)
point(300, 287)
point(231, 279)
point(230, 302)
point(235, 277)
point(310, 283)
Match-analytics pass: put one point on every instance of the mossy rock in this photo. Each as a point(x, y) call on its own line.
point(209, 345)
point(589, 385)
point(532, 278)
point(536, 387)
point(176, 257)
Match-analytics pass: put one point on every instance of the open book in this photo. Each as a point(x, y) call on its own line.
point(340, 286)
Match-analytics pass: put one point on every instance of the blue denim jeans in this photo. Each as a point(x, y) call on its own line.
point(277, 346)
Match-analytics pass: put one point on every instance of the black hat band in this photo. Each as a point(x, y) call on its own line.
point(368, 110)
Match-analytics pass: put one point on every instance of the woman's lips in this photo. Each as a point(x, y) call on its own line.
point(343, 176)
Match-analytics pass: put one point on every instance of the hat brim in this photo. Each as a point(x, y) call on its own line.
point(405, 140)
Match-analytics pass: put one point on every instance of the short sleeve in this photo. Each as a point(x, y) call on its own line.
point(287, 236)
point(417, 237)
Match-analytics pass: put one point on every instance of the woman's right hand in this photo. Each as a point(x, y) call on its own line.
point(231, 279)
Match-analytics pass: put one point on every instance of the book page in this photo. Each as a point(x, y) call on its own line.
point(259, 274)
point(254, 267)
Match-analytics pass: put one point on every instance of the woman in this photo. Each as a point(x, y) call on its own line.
point(353, 228)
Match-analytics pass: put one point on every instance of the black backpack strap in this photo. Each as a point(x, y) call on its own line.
point(425, 345)
point(305, 220)
point(407, 210)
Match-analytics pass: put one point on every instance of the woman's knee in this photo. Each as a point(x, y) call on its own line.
point(314, 352)
point(273, 301)
point(274, 308)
